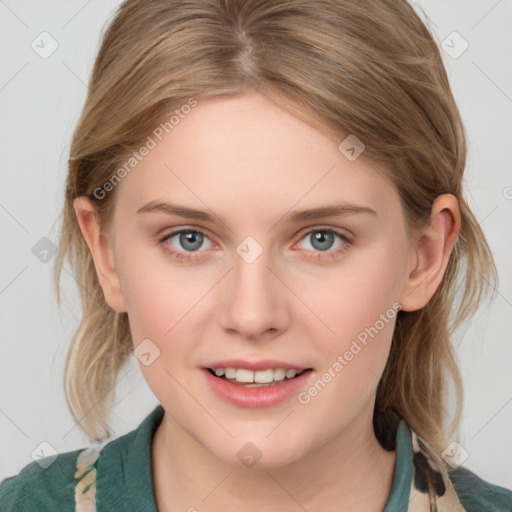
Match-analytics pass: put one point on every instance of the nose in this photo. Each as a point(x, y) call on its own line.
point(256, 304)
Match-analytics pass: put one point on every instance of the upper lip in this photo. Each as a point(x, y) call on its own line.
point(256, 365)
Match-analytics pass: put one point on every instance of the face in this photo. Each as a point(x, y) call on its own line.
point(253, 284)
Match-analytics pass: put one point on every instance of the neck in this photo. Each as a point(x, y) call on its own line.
point(351, 471)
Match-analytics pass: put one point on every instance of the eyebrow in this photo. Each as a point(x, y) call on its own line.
point(334, 210)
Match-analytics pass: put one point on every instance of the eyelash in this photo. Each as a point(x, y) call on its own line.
point(322, 255)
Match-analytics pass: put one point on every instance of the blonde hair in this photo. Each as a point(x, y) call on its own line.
point(366, 68)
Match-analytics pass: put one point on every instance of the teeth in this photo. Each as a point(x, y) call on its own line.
point(277, 374)
point(260, 376)
point(245, 375)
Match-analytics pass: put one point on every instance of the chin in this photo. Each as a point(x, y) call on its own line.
point(257, 454)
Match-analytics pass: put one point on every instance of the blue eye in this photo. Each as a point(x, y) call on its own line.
point(191, 240)
point(322, 239)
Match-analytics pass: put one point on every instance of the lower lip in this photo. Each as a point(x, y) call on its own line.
point(255, 397)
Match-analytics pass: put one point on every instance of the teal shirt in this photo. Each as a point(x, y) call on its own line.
point(124, 479)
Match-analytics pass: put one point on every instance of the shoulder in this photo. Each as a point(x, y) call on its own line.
point(48, 484)
point(476, 494)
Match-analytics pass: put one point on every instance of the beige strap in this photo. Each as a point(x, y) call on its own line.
point(431, 502)
point(85, 488)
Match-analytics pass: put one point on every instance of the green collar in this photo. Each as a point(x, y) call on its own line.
point(125, 475)
point(124, 469)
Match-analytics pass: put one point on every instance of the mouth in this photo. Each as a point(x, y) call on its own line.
point(259, 378)
point(253, 384)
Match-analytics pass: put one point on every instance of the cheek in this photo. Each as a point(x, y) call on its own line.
point(360, 307)
point(355, 297)
point(151, 309)
point(161, 310)
point(165, 305)
point(157, 293)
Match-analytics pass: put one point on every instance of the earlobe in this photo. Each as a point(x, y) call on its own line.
point(101, 252)
point(433, 250)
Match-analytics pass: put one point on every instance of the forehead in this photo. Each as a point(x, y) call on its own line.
point(249, 153)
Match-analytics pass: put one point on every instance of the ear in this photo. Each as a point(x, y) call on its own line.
point(101, 251)
point(430, 255)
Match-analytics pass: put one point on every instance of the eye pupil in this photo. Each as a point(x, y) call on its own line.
point(188, 237)
point(324, 238)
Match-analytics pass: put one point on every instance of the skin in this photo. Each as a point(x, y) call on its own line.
point(250, 161)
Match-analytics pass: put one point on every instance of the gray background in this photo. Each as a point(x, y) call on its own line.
point(40, 104)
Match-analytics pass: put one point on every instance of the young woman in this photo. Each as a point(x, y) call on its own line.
point(264, 204)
